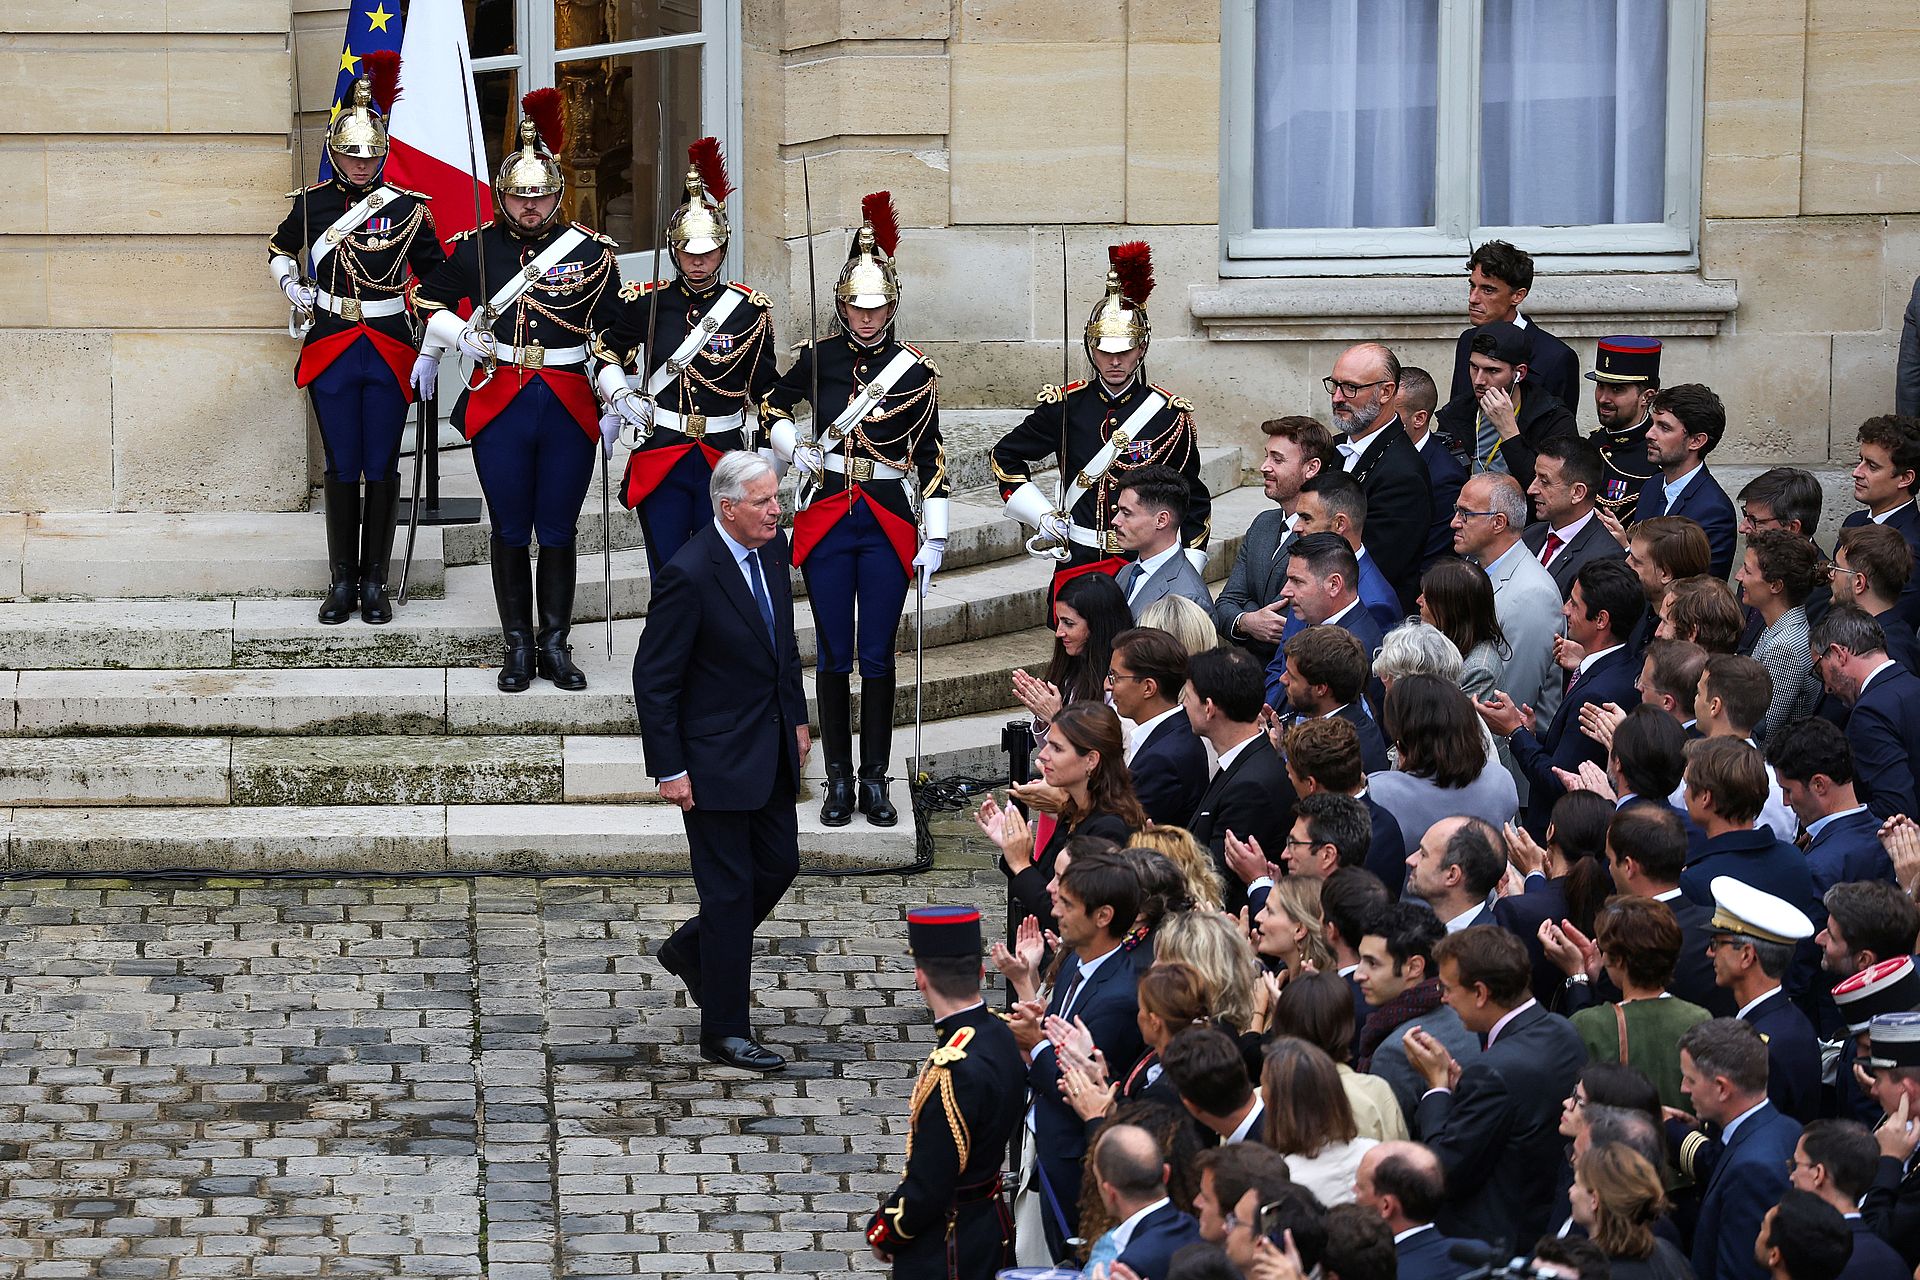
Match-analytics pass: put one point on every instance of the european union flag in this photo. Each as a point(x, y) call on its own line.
point(372, 25)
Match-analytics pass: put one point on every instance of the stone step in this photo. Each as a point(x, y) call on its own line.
point(378, 839)
point(961, 679)
point(460, 629)
point(202, 556)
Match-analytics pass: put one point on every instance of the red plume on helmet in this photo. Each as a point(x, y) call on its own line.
point(543, 107)
point(877, 211)
point(383, 76)
point(711, 164)
point(1133, 263)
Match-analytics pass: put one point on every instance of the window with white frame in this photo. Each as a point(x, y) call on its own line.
point(1367, 135)
point(620, 66)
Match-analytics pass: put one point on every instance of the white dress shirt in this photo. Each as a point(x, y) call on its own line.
point(1144, 730)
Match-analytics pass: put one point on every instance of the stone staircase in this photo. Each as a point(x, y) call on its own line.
point(167, 700)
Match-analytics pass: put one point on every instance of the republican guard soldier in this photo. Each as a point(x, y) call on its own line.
point(542, 292)
point(947, 1220)
point(1114, 425)
point(1626, 373)
point(347, 255)
point(873, 449)
point(712, 361)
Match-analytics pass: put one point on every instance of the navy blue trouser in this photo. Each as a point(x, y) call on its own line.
point(361, 411)
point(855, 569)
point(534, 463)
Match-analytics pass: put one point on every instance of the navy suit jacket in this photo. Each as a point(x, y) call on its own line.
point(1373, 747)
point(1424, 1256)
point(1170, 771)
point(1873, 1258)
point(1156, 1238)
point(1848, 848)
point(1447, 476)
point(1793, 1056)
point(1907, 520)
point(1747, 1180)
point(1704, 502)
point(1756, 858)
point(1107, 1005)
point(1553, 365)
point(1251, 798)
point(1399, 507)
point(1593, 542)
point(1499, 1129)
point(1693, 975)
point(1610, 679)
point(1357, 620)
point(1884, 731)
point(1901, 645)
point(1521, 914)
point(1387, 851)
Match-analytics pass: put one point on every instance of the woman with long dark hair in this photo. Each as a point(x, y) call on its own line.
point(1445, 769)
point(1087, 614)
point(1084, 758)
point(1457, 598)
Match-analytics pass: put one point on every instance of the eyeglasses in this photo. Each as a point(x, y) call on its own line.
point(1465, 514)
point(1113, 677)
point(1351, 389)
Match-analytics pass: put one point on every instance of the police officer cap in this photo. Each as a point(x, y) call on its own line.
point(1626, 359)
point(1505, 342)
point(1896, 1040)
point(1891, 986)
point(937, 932)
point(1741, 909)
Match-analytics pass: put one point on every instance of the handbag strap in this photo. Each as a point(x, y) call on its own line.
point(1620, 1021)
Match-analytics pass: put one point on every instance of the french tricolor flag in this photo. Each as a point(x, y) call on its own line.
point(432, 147)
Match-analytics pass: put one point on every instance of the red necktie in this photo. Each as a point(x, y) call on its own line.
point(1552, 545)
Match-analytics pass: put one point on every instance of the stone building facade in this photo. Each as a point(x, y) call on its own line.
point(148, 155)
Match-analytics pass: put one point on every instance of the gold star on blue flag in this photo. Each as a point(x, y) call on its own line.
point(371, 25)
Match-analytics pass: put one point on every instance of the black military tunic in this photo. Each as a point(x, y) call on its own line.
point(947, 1219)
point(1168, 439)
point(1624, 450)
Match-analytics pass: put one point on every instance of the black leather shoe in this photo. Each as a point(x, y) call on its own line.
point(688, 974)
point(376, 549)
point(513, 592)
point(873, 800)
point(343, 551)
point(553, 590)
point(742, 1052)
point(837, 809)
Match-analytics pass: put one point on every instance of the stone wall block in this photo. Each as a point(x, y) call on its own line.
point(56, 450)
point(857, 94)
point(1039, 133)
point(1860, 154)
point(1799, 275)
point(1173, 133)
point(1042, 21)
point(164, 188)
point(23, 198)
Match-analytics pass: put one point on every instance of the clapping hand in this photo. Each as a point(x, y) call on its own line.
point(1020, 966)
point(1503, 717)
point(1590, 777)
point(1571, 951)
point(1431, 1059)
point(1036, 695)
point(1089, 1100)
point(1900, 836)
point(1024, 1022)
point(1598, 720)
point(1008, 829)
point(1523, 851)
point(1069, 1037)
point(1039, 796)
point(1248, 861)
point(1568, 654)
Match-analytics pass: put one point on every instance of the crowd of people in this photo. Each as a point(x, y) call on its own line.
point(1514, 858)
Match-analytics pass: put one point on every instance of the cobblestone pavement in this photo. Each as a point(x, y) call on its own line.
point(444, 1078)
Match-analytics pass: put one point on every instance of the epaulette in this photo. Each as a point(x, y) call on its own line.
point(1051, 394)
point(921, 356)
point(631, 290)
point(798, 347)
point(607, 240)
point(303, 190)
point(753, 295)
point(1180, 403)
point(954, 1049)
point(458, 236)
point(421, 196)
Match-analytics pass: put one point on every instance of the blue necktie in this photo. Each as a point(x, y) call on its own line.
point(760, 596)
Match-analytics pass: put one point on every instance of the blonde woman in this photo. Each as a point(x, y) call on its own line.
point(1182, 619)
point(1204, 885)
point(1218, 948)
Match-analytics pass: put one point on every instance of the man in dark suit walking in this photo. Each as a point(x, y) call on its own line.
point(1250, 795)
point(1145, 677)
point(1499, 277)
point(1688, 421)
point(1495, 1125)
point(1814, 765)
point(1132, 1174)
point(723, 722)
point(1646, 852)
point(1606, 604)
point(1384, 463)
point(1836, 1161)
point(1567, 475)
point(1723, 1071)
point(1885, 480)
point(1248, 611)
point(1883, 727)
point(1404, 1183)
point(1322, 589)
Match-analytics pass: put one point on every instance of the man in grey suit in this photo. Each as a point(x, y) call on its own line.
point(1486, 528)
point(1567, 474)
point(1146, 516)
point(1248, 611)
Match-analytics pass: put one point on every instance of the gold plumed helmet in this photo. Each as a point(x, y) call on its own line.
point(868, 279)
point(359, 132)
point(1119, 320)
point(530, 170)
point(700, 224)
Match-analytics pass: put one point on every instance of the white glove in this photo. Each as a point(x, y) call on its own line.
point(636, 416)
point(1198, 559)
point(811, 459)
point(300, 295)
point(932, 552)
point(479, 346)
point(609, 431)
point(1054, 525)
point(425, 378)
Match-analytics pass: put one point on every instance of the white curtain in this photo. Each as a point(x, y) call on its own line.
point(1344, 108)
point(1573, 112)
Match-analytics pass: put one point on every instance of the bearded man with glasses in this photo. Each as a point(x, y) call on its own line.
point(1383, 462)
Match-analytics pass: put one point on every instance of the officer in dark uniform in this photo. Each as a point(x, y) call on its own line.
point(872, 448)
point(1626, 373)
point(947, 1220)
point(1744, 916)
point(545, 291)
point(346, 256)
point(1116, 424)
point(712, 362)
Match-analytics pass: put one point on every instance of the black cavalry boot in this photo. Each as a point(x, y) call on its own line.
point(553, 588)
point(343, 551)
point(876, 745)
point(834, 692)
point(376, 549)
point(513, 592)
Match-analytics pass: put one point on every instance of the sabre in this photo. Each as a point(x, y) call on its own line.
point(302, 318)
point(483, 315)
point(420, 420)
point(659, 231)
point(813, 312)
point(1040, 545)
